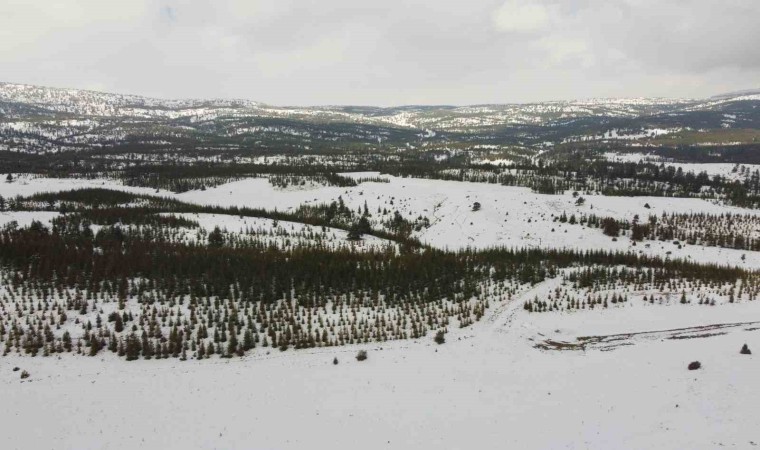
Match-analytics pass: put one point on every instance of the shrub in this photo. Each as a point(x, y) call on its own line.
point(439, 337)
point(24, 374)
point(694, 365)
point(335, 361)
point(745, 350)
point(362, 355)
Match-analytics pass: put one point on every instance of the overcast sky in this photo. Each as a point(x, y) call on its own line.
point(384, 52)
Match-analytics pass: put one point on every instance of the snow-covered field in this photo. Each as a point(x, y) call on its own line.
point(616, 134)
point(598, 378)
point(282, 233)
point(25, 185)
point(487, 387)
point(509, 216)
point(727, 170)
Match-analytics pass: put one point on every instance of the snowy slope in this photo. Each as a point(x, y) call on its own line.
point(621, 381)
point(488, 387)
point(509, 216)
point(283, 234)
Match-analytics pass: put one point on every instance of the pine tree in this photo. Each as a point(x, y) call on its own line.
point(216, 238)
point(95, 345)
point(66, 341)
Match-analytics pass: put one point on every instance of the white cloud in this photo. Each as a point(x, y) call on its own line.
point(567, 51)
point(522, 16)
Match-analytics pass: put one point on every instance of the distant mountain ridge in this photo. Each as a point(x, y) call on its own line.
point(741, 93)
point(36, 118)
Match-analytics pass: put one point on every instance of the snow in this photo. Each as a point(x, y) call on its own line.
point(510, 216)
point(25, 185)
point(512, 380)
point(100, 105)
point(616, 134)
point(283, 233)
point(495, 161)
point(726, 170)
point(487, 387)
point(25, 218)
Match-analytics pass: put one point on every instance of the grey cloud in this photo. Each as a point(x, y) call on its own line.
point(391, 52)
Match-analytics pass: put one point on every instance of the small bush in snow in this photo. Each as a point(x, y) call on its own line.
point(745, 350)
point(439, 337)
point(694, 365)
point(335, 361)
point(24, 374)
point(362, 355)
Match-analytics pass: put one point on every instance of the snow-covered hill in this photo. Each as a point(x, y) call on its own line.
point(98, 104)
point(303, 235)
point(487, 387)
